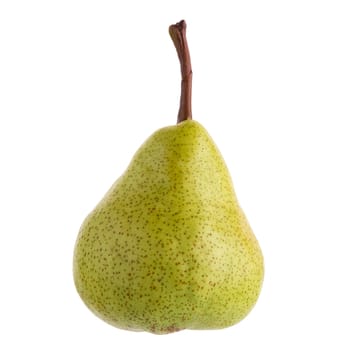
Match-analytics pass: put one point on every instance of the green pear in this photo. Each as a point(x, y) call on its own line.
point(168, 247)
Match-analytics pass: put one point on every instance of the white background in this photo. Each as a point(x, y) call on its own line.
point(83, 83)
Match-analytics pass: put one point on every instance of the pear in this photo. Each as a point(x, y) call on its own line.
point(168, 247)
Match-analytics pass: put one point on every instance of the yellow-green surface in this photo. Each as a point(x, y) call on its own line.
point(168, 247)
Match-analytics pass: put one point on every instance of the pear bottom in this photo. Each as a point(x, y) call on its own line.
point(176, 283)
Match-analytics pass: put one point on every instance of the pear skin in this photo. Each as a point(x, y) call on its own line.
point(169, 247)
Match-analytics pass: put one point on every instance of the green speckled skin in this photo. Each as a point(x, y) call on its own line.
point(168, 247)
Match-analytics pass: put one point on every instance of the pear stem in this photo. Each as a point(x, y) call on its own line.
point(178, 35)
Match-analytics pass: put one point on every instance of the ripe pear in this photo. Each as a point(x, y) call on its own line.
point(168, 247)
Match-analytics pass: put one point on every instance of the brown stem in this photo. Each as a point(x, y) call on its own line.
point(178, 35)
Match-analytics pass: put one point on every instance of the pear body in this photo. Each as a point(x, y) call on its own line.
point(168, 247)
